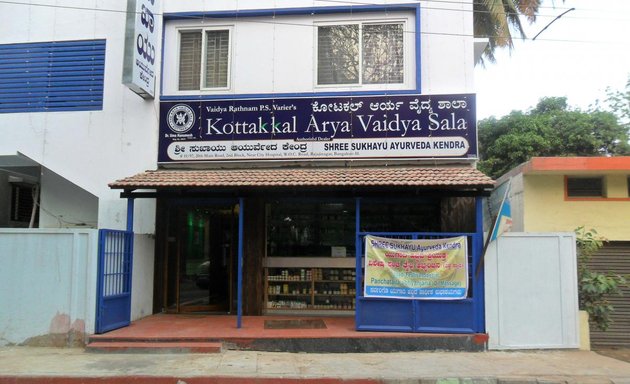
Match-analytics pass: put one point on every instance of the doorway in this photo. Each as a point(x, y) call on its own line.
point(200, 258)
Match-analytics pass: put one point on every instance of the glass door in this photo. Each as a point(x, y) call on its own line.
point(205, 256)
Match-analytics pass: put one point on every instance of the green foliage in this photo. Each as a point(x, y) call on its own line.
point(619, 103)
point(549, 129)
point(593, 287)
point(497, 20)
point(551, 104)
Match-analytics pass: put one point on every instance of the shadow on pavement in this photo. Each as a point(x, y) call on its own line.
point(619, 353)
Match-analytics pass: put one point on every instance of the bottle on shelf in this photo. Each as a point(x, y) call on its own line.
point(310, 288)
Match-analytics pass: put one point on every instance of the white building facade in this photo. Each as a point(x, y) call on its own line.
point(65, 139)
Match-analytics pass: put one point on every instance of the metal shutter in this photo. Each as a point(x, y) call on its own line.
point(614, 257)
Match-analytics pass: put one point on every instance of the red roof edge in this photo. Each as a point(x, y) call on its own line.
point(542, 164)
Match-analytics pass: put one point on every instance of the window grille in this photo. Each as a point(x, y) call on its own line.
point(585, 187)
point(338, 54)
point(373, 56)
point(193, 66)
point(21, 203)
point(189, 60)
point(217, 55)
point(383, 56)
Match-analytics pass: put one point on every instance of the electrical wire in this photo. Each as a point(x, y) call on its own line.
point(192, 17)
point(337, 2)
point(60, 221)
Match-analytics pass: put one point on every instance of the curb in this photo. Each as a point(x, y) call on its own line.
point(296, 380)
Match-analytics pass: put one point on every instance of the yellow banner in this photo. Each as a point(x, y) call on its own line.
point(434, 269)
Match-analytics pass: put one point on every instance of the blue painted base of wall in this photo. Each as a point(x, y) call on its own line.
point(391, 315)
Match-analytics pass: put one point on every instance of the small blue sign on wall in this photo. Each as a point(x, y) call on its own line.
point(323, 128)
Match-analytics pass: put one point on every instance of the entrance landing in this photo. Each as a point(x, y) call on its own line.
point(211, 333)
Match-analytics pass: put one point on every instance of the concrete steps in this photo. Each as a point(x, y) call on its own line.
point(154, 346)
point(359, 344)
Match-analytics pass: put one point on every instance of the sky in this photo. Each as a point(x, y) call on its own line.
point(577, 56)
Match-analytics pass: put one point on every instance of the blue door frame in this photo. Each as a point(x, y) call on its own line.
point(429, 316)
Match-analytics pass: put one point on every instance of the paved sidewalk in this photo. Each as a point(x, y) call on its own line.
point(73, 365)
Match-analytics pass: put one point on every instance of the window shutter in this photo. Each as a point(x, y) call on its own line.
point(52, 76)
point(338, 54)
point(217, 55)
point(190, 61)
point(383, 54)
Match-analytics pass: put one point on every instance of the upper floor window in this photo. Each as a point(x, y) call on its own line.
point(360, 54)
point(204, 59)
point(585, 187)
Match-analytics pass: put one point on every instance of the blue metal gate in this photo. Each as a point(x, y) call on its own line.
point(115, 260)
point(426, 316)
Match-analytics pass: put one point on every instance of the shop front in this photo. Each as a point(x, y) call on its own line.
point(264, 207)
point(301, 235)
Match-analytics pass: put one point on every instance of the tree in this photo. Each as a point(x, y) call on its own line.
point(619, 103)
point(495, 20)
point(549, 129)
point(595, 288)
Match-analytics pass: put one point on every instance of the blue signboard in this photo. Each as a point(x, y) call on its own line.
point(366, 127)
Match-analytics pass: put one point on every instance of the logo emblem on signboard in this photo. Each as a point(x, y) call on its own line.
point(180, 118)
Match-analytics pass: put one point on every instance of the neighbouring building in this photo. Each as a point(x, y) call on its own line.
point(251, 147)
point(556, 194)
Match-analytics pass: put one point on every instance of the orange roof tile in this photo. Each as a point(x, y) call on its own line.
point(307, 177)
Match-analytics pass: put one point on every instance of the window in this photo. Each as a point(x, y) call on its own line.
point(312, 229)
point(204, 59)
point(360, 54)
point(52, 76)
point(401, 216)
point(22, 203)
point(585, 187)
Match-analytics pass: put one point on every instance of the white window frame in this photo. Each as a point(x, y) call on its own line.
point(375, 86)
point(203, 30)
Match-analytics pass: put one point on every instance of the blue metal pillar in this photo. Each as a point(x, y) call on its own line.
point(130, 239)
point(478, 278)
point(130, 205)
point(358, 266)
point(239, 290)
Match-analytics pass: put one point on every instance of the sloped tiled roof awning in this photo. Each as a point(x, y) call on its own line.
point(446, 177)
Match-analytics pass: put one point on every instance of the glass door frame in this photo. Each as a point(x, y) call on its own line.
point(176, 209)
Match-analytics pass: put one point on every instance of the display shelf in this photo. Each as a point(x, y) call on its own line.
point(334, 281)
point(325, 290)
